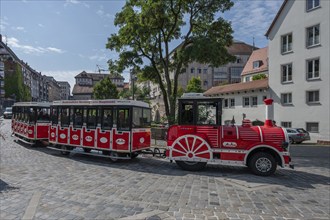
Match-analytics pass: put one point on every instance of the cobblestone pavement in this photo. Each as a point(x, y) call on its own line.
point(39, 183)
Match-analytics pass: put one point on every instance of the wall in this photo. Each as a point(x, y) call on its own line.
point(294, 19)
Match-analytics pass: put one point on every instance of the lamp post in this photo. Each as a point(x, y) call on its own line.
point(132, 82)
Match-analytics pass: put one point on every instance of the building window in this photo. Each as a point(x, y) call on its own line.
point(312, 127)
point(205, 71)
point(313, 97)
point(248, 79)
point(311, 4)
point(264, 97)
point(238, 60)
point(246, 101)
point(286, 43)
point(225, 105)
point(199, 70)
point(254, 101)
point(236, 72)
point(313, 68)
point(256, 64)
point(313, 36)
point(205, 83)
point(232, 103)
point(286, 124)
point(286, 98)
point(286, 73)
point(192, 70)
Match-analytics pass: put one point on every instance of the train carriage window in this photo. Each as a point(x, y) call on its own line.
point(26, 114)
point(21, 114)
point(106, 122)
point(137, 119)
point(43, 114)
point(91, 120)
point(146, 117)
point(65, 116)
point(187, 113)
point(31, 115)
point(54, 115)
point(123, 119)
point(206, 113)
point(77, 117)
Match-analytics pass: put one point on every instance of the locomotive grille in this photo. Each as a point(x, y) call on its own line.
point(211, 133)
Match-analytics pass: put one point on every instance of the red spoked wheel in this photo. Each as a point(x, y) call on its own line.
point(190, 152)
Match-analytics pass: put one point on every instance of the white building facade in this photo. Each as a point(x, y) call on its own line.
point(299, 60)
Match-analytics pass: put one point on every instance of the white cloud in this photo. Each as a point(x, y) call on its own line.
point(41, 25)
point(72, 1)
point(56, 50)
point(75, 2)
point(28, 49)
point(19, 28)
point(100, 12)
point(3, 24)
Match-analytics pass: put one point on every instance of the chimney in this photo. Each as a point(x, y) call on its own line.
point(269, 112)
point(0, 37)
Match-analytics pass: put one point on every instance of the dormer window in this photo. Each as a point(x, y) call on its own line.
point(257, 64)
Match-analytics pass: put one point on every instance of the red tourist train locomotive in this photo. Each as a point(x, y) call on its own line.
point(121, 129)
point(199, 138)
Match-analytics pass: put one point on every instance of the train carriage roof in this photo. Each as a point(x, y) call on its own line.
point(32, 104)
point(104, 102)
point(197, 96)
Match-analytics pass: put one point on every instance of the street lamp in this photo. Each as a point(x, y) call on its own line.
point(133, 78)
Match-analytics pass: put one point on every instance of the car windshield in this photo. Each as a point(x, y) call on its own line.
point(8, 110)
point(301, 130)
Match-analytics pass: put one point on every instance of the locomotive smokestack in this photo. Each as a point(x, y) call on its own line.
point(269, 112)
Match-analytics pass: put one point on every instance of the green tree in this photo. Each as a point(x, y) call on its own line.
point(259, 76)
point(148, 30)
point(105, 89)
point(194, 85)
point(139, 94)
point(14, 83)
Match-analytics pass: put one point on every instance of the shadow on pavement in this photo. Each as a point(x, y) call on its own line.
point(5, 186)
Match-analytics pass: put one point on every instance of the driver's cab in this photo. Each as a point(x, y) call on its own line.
point(198, 114)
point(196, 109)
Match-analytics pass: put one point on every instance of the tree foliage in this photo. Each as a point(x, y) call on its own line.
point(148, 29)
point(141, 94)
point(14, 82)
point(259, 76)
point(194, 85)
point(105, 89)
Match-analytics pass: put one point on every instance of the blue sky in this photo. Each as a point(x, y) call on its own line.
point(62, 38)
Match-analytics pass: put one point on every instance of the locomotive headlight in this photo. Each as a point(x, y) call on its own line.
point(285, 145)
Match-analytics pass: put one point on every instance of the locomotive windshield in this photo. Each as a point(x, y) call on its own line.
point(199, 111)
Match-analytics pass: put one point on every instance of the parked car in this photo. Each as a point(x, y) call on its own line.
point(297, 135)
point(8, 112)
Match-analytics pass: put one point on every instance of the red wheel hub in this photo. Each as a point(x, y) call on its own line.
point(190, 155)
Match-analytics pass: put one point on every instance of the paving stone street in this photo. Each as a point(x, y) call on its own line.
point(40, 183)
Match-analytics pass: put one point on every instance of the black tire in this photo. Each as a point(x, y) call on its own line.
point(87, 150)
point(262, 164)
point(134, 155)
point(112, 155)
point(298, 142)
point(106, 152)
point(190, 165)
point(65, 153)
point(291, 140)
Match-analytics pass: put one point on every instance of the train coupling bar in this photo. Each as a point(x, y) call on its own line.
point(156, 152)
